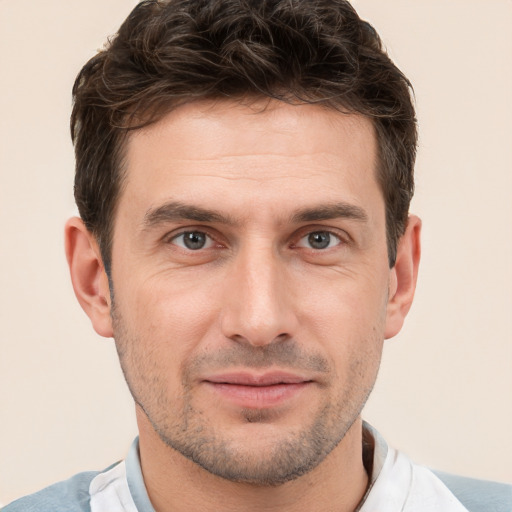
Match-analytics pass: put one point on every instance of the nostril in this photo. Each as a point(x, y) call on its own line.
point(280, 338)
point(238, 338)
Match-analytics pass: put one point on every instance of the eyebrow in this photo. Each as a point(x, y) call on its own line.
point(176, 211)
point(330, 211)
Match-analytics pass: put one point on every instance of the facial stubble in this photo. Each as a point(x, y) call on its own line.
point(188, 430)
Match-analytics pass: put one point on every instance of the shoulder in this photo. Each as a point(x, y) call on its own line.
point(71, 495)
point(478, 495)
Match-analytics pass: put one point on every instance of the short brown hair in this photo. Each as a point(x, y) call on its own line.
point(169, 52)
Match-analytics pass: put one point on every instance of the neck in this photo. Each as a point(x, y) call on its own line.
point(176, 484)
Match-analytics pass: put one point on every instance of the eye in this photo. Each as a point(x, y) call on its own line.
point(319, 240)
point(193, 240)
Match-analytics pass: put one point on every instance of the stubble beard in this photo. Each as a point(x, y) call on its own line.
point(187, 429)
point(286, 459)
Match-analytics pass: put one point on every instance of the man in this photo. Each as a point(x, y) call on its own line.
point(244, 173)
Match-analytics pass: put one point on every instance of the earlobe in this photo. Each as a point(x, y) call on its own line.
point(403, 277)
point(88, 276)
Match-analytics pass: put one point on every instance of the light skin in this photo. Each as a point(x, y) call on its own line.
point(252, 296)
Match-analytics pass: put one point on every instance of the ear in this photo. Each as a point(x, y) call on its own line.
point(88, 275)
point(403, 277)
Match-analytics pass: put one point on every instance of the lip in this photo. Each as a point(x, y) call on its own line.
point(255, 379)
point(257, 391)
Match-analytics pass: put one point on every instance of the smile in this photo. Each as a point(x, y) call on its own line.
point(257, 391)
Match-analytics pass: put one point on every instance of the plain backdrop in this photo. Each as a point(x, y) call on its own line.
point(444, 392)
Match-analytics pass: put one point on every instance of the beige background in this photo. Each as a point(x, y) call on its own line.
point(444, 393)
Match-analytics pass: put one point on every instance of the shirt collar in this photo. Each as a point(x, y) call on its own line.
point(374, 446)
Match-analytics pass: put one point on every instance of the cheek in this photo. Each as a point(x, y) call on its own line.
point(347, 317)
point(346, 307)
point(168, 315)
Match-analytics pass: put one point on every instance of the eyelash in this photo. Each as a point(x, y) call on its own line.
point(211, 240)
point(172, 239)
point(321, 231)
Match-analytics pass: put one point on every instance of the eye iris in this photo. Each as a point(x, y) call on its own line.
point(194, 240)
point(319, 239)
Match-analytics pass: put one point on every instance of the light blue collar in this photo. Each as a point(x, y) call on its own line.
point(140, 494)
point(135, 479)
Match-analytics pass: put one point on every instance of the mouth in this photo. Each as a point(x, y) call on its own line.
point(257, 391)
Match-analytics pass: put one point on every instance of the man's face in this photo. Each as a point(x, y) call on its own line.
point(251, 280)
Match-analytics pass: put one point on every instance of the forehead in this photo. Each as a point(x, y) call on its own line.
point(214, 128)
point(268, 151)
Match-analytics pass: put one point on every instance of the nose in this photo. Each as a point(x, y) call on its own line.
point(259, 300)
